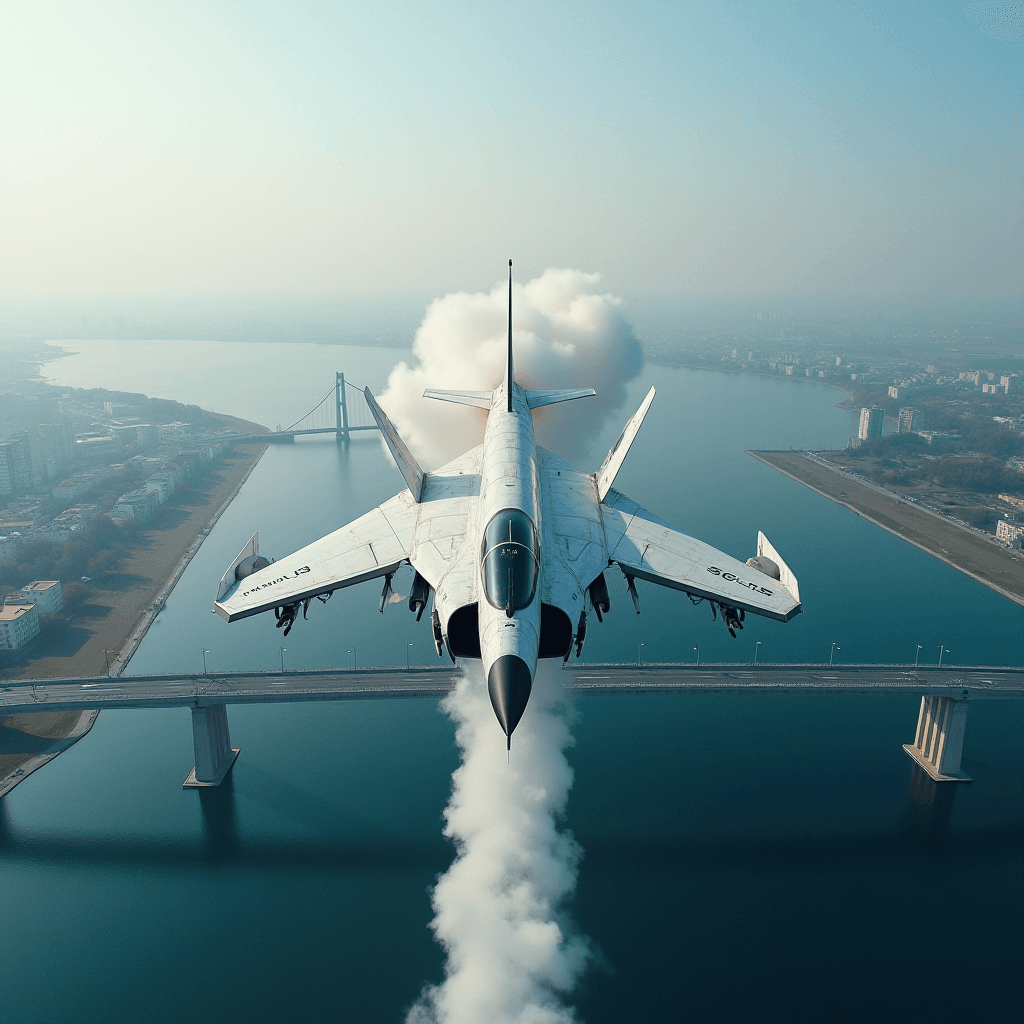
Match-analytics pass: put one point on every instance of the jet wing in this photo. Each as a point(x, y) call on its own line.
point(372, 545)
point(651, 549)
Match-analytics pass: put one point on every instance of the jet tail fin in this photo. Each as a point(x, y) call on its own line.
point(479, 399)
point(414, 476)
point(605, 476)
point(537, 399)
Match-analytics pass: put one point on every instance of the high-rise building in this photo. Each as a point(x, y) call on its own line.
point(871, 423)
point(15, 465)
point(894, 392)
point(910, 420)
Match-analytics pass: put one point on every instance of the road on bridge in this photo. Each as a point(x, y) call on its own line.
point(974, 682)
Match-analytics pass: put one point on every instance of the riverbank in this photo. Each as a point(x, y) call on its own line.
point(27, 742)
point(996, 567)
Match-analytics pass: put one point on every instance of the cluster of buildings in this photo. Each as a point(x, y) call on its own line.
point(48, 464)
point(140, 504)
point(794, 364)
point(909, 421)
point(20, 620)
point(28, 519)
point(987, 381)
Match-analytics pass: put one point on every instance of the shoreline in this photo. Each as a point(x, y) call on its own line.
point(911, 517)
point(748, 373)
point(85, 722)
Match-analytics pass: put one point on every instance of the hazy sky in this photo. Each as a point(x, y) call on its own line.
point(812, 149)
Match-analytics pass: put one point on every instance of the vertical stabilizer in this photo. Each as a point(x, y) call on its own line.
point(509, 374)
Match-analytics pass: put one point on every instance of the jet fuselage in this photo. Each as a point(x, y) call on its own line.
point(510, 562)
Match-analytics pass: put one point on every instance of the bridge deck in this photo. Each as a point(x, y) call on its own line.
point(974, 682)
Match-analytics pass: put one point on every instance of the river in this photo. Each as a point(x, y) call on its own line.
point(743, 856)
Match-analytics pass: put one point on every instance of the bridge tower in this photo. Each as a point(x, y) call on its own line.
point(340, 407)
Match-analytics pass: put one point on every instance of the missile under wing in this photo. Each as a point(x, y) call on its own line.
point(509, 544)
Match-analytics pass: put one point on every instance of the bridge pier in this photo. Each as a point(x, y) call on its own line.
point(213, 750)
point(939, 742)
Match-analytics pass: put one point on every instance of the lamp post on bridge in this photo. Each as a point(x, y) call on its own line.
point(756, 648)
point(697, 649)
point(284, 651)
point(352, 651)
point(408, 647)
point(917, 656)
point(205, 653)
point(943, 649)
point(835, 647)
point(639, 655)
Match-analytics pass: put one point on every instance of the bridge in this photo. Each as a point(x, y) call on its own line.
point(937, 747)
point(342, 411)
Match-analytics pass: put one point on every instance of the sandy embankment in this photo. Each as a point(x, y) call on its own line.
point(997, 567)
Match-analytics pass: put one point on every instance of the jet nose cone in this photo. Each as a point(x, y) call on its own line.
point(509, 684)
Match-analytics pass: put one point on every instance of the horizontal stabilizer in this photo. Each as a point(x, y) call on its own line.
point(786, 577)
point(409, 467)
point(605, 476)
point(537, 399)
point(478, 399)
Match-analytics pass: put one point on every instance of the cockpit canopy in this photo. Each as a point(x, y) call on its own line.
point(511, 560)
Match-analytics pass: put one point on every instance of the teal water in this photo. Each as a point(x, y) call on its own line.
point(744, 856)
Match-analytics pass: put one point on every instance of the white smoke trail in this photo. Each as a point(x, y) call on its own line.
point(498, 908)
point(566, 334)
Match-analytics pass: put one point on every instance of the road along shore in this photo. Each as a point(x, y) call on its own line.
point(998, 568)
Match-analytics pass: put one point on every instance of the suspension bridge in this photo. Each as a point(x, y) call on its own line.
point(342, 411)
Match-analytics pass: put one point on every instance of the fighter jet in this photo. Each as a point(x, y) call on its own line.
point(510, 545)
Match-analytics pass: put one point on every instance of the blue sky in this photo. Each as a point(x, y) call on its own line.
point(853, 150)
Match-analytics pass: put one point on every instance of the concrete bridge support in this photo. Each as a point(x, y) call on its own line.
point(940, 738)
point(212, 742)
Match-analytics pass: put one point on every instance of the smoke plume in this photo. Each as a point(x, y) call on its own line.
point(499, 910)
point(566, 334)
point(511, 955)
